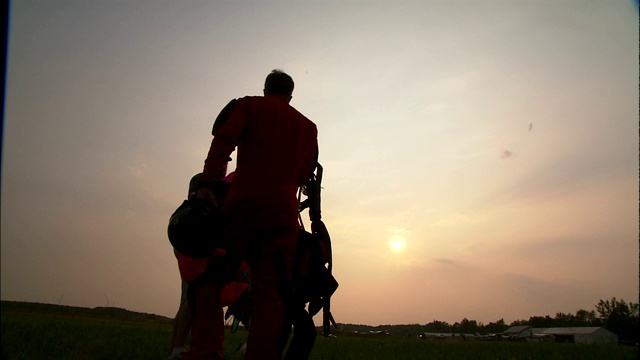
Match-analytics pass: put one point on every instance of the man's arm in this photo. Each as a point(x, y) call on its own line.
point(223, 116)
point(223, 144)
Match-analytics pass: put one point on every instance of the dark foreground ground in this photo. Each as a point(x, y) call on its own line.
point(37, 331)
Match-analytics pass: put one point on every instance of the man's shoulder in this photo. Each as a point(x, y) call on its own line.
point(249, 99)
point(300, 115)
point(262, 102)
point(270, 102)
point(308, 123)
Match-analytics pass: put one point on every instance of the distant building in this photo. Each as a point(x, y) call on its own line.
point(579, 335)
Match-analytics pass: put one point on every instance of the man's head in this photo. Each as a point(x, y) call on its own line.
point(278, 83)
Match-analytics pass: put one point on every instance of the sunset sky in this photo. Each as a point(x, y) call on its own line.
point(480, 157)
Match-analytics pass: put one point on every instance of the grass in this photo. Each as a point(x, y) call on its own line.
point(352, 347)
point(45, 334)
point(51, 336)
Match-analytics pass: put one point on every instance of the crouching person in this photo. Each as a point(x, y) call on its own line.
point(207, 291)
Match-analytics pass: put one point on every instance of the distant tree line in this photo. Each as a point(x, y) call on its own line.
point(101, 312)
point(617, 316)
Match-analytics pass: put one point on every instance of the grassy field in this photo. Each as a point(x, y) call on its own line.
point(29, 333)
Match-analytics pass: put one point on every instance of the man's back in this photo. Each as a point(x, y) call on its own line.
point(277, 147)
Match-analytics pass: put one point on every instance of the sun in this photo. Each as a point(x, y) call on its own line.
point(397, 245)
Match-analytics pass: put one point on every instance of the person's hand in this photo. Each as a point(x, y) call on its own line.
point(205, 194)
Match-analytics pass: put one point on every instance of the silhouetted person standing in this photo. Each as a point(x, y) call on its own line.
point(276, 153)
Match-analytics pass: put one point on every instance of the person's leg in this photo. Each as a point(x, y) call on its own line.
point(182, 325)
point(207, 330)
point(270, 271)
point(268, 312)
point(304, 335)
point(182, 322)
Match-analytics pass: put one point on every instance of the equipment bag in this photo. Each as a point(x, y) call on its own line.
point(313, 281)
